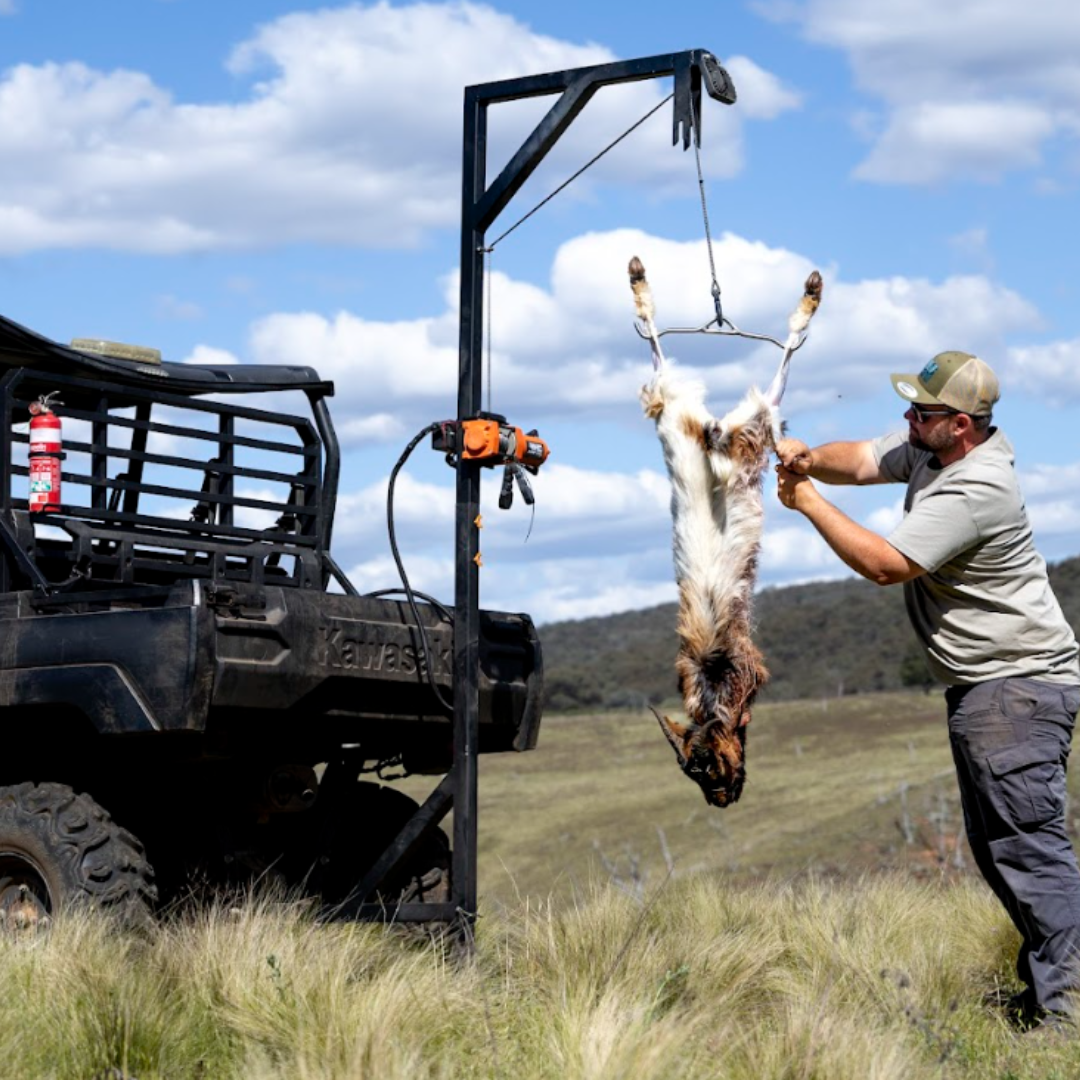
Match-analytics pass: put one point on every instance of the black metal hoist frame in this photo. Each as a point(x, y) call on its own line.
point(481, 205)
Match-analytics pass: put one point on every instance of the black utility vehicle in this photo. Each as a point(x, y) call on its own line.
point(184, 698)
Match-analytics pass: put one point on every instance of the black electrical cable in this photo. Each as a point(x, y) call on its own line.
point(408, 590)
point(438, 605)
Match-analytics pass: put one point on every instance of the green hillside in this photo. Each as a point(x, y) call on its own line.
point(825, 639)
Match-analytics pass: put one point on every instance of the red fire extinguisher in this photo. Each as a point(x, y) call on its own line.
point(46, 453)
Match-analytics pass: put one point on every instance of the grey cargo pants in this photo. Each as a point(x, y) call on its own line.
point(1010, 740)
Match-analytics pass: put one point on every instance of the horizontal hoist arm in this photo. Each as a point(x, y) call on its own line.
point(691, 69)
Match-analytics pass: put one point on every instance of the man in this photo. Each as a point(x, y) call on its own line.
point(982, 608)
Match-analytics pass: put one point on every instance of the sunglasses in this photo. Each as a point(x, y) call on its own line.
point(922, 414)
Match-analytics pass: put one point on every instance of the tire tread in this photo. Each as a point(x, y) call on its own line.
point(106, 861)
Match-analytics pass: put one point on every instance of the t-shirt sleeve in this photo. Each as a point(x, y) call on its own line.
point(937, 529)
point(895, 457)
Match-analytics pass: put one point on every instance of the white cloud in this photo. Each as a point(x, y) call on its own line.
point(761, 94)
point(586, 508)
point(252, 517)
point(933, 142)
point(1050, 371)
point(379, 362)
point(970, 89)
point(1056, 516)
point(362, 514)
point(886, 518)
point(795, 551)
point(1040, 481)
point(7, 7)
point(317, 149)
point(381, 427)
point(1052, 498)
point(577, 510)
point(570, 348)
point(593, 587)
point(427, 574)
point(207, 354)
point(549, 589)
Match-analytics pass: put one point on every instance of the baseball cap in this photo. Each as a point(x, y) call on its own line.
point(956, 379)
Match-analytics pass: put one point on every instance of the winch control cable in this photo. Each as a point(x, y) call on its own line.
point(438, 605)
point(426, 656)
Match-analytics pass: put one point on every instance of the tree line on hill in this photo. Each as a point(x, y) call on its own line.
point(824, 639)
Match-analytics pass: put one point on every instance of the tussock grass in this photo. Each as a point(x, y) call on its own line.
point(882, 977)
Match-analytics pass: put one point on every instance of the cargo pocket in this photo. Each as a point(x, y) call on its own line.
point(1030, 782)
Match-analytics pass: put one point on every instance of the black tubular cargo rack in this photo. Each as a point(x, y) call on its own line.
point(161, 484)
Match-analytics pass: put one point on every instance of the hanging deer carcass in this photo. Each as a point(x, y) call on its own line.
point(716, 468)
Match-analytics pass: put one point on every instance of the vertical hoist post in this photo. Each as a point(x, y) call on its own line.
point(467, 547)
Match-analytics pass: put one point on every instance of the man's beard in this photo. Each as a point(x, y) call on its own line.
point(938, 439)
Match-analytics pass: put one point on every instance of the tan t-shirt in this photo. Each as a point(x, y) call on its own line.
point(984, 609)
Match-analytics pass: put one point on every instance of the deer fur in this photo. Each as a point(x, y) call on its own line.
point(716, 468)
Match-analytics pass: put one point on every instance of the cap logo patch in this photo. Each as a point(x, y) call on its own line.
point(907, 390)
point(928, 372)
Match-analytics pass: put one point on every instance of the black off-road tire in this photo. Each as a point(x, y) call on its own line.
point(322, 853)
point(60, 850)
point(362, 827)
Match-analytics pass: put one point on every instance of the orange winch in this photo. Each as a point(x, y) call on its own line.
point(489, 440)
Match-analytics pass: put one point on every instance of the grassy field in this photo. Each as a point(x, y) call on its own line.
point(828, 927)
point(834, 787)
point(883, 978)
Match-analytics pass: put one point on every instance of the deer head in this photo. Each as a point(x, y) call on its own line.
point(712, 755)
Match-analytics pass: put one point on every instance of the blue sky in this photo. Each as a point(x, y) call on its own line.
point(279, 182)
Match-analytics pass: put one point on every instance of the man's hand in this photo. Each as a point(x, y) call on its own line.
point(793, 489)
point(864, 551)
point(795, 456)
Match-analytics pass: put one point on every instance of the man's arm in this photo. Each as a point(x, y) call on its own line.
point(831, 463)
point(864, 551)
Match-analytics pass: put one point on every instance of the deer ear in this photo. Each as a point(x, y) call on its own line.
point(676, 735)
